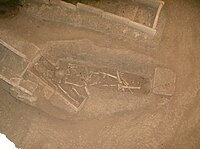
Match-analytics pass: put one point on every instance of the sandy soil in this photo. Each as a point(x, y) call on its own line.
point(153, 121)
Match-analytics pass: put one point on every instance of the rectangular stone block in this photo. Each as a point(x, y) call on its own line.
point(157, 15)
point(66, 14)
point(89, 9)
point(20, 47)
point(115, 18)
point(29, 85)
point(91, 20)
point(157, 5)
point(114, 25)
point(11, 48)
point(142, 28)
point(164, 82)
point(28, 49)
point(152, 3)
point(6, 86)
point(12, 65)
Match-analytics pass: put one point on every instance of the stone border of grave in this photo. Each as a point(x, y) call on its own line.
point(96, 19)
point(158, 4)
point(26, 86)
point(13, 79)
point(106, 16)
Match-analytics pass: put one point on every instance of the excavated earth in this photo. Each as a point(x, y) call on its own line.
point(110, 118)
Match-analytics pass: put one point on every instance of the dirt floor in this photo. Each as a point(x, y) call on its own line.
point(110, 119)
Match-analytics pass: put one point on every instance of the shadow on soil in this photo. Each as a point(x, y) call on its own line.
point(9, 8)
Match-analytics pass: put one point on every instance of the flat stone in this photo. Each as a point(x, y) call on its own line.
point(164, 82)
point(29, 85)
point(19, 46)
point(21, 95)
point(11, 64)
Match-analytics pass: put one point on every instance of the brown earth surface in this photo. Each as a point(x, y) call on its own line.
point(110, 119)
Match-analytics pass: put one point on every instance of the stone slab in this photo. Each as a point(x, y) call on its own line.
point(29, 85)
point(89, 9)
point(90, 20)
point(152, 3)
point(11, 64)
point(164, 82)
